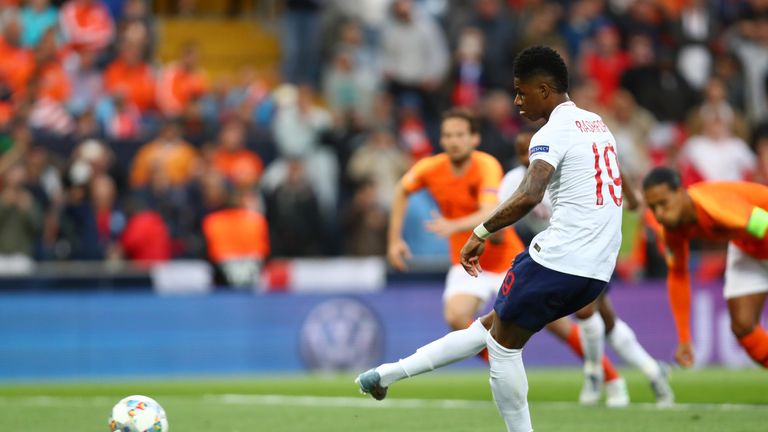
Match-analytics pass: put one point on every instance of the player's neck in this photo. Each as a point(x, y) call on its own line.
point(689, 211)
point(461, 166)
point(555, 102)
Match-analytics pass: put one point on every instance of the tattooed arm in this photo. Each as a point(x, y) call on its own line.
point(526, 197)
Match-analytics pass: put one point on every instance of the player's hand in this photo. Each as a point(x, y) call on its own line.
point(684, 355)
point(397, 254)
point(440, 225)
point(470, 255)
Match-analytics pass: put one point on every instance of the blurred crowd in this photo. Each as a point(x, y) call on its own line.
point(106, 153)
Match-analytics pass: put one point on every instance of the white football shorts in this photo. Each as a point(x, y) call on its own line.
point(485, 286)
point(744, 275)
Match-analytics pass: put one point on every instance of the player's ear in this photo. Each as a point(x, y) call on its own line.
point(544, 89)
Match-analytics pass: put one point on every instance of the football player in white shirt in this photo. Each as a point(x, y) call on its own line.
point(619, 335)
point(567, 266)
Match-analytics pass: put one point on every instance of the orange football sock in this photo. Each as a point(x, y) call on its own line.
point(574, 341)
point(756, 345)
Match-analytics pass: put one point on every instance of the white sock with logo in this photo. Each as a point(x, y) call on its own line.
point(509, 386)
point(592, 343)
point(450, 348)
point(623, 340)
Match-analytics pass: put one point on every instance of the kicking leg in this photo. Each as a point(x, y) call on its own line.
point(745, 314)
point(454, 346)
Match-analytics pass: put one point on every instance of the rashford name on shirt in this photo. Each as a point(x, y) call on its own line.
point(591, 126)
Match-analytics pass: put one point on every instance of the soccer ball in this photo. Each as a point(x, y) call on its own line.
point(138, 414)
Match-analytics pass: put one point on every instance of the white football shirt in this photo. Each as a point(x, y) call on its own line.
point(584, 234)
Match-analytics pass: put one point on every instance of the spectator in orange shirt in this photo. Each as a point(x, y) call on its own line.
point(86, 25)
point(52, 79)
point(16, 63)
point(237, 240)
point(240, 165)
point(181, 82)
point(130, 75)
point(170, 153)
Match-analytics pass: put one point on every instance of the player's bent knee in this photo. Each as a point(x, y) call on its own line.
point(741, 327)
point(457, 319)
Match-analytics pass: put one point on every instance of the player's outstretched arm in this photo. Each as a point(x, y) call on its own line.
point(526, 197)
point(397, 249)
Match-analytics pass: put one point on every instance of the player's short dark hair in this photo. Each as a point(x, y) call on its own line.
point(542, 60)
point(463, 114)
point(662, 176)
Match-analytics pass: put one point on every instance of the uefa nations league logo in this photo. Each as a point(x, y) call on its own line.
point(341, 335)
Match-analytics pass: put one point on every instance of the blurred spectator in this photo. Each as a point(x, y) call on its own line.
point(298, 128)
point(656, 85)
point(37, 17)
point(643, 18)
point(498, 40)
point(365, 223)
point(132, 77)
point(414, 54)
point(237, 241)
point(124, 121)
point(239, 165)
point(19, 215)
point(86, 25)
point(717, 154)
point(728, 69)
point(79, 237)
point(693, 30)
point(498, 128)
point(168, 153)
point(181, 82)
point(378, 163)
point(295, 223)
point(299, 40)
point(110, 221)
point(606, 62)
point(50, 85)
point(631, 125)
point(580, 22)
point(539, 27)
point(17, 63)
point(412, 132)
point(87, 83)
point(348, 88)
point(145, 238)
point(748, 40)
point(716, 103)
point(469, 75)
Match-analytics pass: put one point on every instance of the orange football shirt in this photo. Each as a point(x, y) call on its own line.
point(461, 195)
point(723, 212)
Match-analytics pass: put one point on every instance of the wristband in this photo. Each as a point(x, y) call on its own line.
point(758, 223)
point(481, 232)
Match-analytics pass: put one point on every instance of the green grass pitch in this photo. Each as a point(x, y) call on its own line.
point(710, 400)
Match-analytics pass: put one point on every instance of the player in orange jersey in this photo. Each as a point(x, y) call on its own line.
point(733, 211)
point(464, 183)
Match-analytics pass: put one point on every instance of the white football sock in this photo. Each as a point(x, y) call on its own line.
point(592, 343)
point(450, 348)
point(509, 386)
point(623, 340)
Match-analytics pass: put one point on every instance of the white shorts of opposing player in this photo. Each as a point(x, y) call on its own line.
point(485, 286)
point(744, 275)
